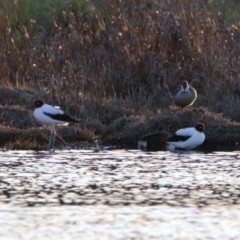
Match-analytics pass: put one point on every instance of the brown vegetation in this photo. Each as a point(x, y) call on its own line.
point(113, 66)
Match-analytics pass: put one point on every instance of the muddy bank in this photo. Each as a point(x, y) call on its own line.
point(19, 129)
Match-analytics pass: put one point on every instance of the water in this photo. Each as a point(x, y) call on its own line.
point(119, 194)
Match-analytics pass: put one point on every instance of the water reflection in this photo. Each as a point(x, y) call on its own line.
point(120, 190)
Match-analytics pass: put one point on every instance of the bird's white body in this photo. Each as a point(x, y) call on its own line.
point(51, 116)
point(195, 138)
point(40, 114)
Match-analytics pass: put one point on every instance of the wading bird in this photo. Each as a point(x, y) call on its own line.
point(51, 116)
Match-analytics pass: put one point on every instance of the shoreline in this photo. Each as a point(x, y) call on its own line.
point(221, 133)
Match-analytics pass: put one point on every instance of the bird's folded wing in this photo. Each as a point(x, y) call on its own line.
point(178, 138)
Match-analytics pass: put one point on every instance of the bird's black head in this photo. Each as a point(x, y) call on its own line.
point(38, 103)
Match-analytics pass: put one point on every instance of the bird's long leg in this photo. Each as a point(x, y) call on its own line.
point(52, 140)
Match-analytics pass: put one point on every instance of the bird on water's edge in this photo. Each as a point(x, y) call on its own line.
point(183, 139)
point(51, 116)
point(154, 141)
point(187, 138)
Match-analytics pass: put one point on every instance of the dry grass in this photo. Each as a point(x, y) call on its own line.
point(114, 64)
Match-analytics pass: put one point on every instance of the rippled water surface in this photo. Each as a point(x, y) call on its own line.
point(118, 194)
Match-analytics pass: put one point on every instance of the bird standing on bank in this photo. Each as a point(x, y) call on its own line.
point(187, 138)
point(51, 116)
point(185, 96)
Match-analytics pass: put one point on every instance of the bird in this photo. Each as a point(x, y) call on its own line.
point(51, 116)
point(154, 141)
point(187, 138)
point(185, 96)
